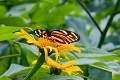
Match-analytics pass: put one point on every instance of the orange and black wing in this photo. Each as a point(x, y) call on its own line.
point(64, 36)
point(41, 33)
point(59, 36)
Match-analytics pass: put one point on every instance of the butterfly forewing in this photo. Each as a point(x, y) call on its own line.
point(60, 36)
point(66, 36)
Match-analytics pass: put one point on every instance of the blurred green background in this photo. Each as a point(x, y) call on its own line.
point(96, 21)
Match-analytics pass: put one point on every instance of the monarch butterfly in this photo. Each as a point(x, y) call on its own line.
point(59, 36)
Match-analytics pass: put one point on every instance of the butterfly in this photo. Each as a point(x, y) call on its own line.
point(59, 36)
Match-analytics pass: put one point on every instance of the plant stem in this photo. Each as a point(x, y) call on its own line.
point(89, 15)
point(8, 56)
point(39, 63)
point(108, 24)
point(116, 48)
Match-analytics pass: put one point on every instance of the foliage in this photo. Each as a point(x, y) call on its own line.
point(96, 21)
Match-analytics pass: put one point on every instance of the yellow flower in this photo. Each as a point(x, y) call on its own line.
point(67, 67)
point(47, 44)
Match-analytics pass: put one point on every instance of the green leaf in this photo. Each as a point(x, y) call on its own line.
point(84, 61)
point(113, 38)
point(94, 52)
point(18, 10)
point(63, 78)
point(110, 67)
point(93, 55)
point(115, 76)
point(12, 21)
point(25, 49)
point(41, 73)
point(102, 65)
point(8, 29)
point(16, 69)
point(28, 14)
point(39, 63)
point(7, 36)
point(5, 78)
point(111, 58)
point(4, 64)
point(117, 52)
point(95, 37)
point(4, 51)
point(31, 48)
point(43, 10)
point(60, 12)
point(98, 74)
point(2, 10)
point(6, 32)
point(31, 57)
point(51, 15)
point(68, 9)
point(108, 46)
point(100, 16)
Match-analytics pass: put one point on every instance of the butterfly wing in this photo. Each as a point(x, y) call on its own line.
point(64, 36)
point(59, 36)
point(41, 33)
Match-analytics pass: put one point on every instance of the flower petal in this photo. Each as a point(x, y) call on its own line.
point(27, 36)
point(68, 47)
point(50, 48)
point(34, 62)
point(46, 54)
point(72, 69)
point(18, 33)
point(64, 67)
point(52, 63)
point(56, 52)
point(45, 66)
point(68, 64)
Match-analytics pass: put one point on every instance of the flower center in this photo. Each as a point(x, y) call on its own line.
point(46, 42)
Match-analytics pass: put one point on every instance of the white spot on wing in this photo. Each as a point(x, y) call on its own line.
point(74, 35)
point(64, 32)
point(39, 31)
point(72, 40)
point(70, 36)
